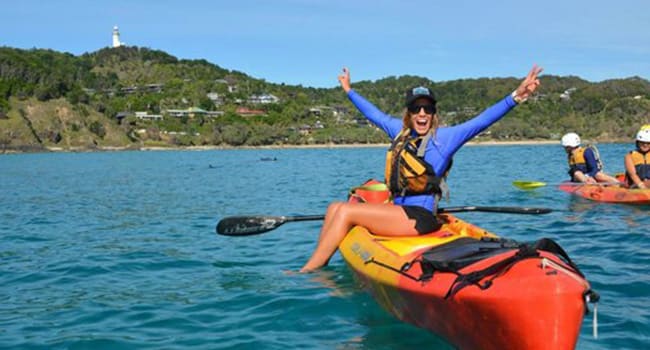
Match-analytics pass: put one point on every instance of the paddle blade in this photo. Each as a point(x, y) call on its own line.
point(528, 185)
point(248, 225)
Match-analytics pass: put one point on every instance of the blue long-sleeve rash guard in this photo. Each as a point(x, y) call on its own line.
point(442, 147)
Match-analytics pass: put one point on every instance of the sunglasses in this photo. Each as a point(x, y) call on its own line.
point(428, 108)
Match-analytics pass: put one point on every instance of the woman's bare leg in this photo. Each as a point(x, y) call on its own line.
point(330, 215)
point(382, 219)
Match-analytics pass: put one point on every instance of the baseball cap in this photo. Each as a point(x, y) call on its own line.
point(419, 92)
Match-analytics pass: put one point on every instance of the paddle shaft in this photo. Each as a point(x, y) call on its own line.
point(531, 185)
point(252, 225)
point(504, 210)
point(304, 218)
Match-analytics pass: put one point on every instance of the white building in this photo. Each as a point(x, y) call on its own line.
point(263, 99)
point(147, 116)
point(116, 37)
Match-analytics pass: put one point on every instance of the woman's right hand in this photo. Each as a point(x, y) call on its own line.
point(344, 79)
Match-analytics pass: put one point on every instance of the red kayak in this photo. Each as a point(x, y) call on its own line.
point(473, 288)
point(607, 193)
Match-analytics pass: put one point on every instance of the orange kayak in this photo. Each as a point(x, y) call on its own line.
point(473, 288)
point(607, 193)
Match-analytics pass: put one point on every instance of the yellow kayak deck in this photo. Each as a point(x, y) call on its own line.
point(360, 246)
point(452, 229)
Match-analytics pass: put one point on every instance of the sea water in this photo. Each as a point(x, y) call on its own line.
point(117, 250)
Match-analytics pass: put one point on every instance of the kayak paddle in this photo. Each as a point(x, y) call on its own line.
point(531, 185)
point(252, 225)
point(528, 185)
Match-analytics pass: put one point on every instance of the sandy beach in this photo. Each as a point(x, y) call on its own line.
point(356, 145)
point(329, 145)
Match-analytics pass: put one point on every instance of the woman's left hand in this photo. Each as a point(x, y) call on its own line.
point(529, 84)
point(344, 79)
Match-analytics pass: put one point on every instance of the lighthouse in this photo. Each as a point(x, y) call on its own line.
point(116, 37)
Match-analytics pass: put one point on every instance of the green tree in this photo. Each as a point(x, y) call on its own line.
point(97, 128)
point(235, 135)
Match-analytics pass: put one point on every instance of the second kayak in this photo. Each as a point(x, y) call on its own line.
point(607, 193)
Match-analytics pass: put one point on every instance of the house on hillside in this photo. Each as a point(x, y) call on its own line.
point(153, 88)
point(129, 89)
point(178, 113)
point(320, 110)
point(263, 99)
point(340, 110)
point(147, 116)
point(245, 112)
point(304, 129)
point(566, 95)
point(120, 115)
point(232, 85)
point(215, 98)
point(193, 112)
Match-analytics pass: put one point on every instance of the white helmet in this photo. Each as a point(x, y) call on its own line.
point(644, 133)
point(571, 140)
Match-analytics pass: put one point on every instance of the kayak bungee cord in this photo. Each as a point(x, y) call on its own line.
point(524, 251)
point(401, 271)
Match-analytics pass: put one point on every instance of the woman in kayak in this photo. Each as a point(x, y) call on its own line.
point(584, 162)
point(416, 162)
point(637, 162)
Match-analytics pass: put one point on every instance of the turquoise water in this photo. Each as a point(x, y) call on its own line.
point(117, 250)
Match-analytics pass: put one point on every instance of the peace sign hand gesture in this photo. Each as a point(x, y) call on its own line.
point(528, 85)
point(344, 79)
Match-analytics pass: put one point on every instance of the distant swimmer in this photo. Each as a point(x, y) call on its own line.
point(268, 159)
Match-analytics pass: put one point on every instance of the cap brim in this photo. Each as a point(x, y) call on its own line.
point(413, 98)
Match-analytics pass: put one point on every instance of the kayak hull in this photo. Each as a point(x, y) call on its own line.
point(608, 194)
point(530, 305)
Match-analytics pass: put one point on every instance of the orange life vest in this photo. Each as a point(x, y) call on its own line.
point(406, 171)
point(577, 159)
point(641, 165)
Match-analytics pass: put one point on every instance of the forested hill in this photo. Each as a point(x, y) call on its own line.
point(137, 97)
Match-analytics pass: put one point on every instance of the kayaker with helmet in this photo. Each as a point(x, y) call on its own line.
point(584, 162)
point(637, 162)
point(416, 162)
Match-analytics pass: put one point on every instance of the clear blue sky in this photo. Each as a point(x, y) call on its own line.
point(308, 41)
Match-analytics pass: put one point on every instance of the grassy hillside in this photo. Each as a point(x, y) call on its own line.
point(52, 100)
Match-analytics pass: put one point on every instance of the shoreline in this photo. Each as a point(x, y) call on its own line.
point(350, 145)
point(316, 146)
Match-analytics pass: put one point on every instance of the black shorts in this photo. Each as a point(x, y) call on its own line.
point(425, 221)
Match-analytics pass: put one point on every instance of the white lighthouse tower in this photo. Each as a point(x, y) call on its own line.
point(116, 37)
